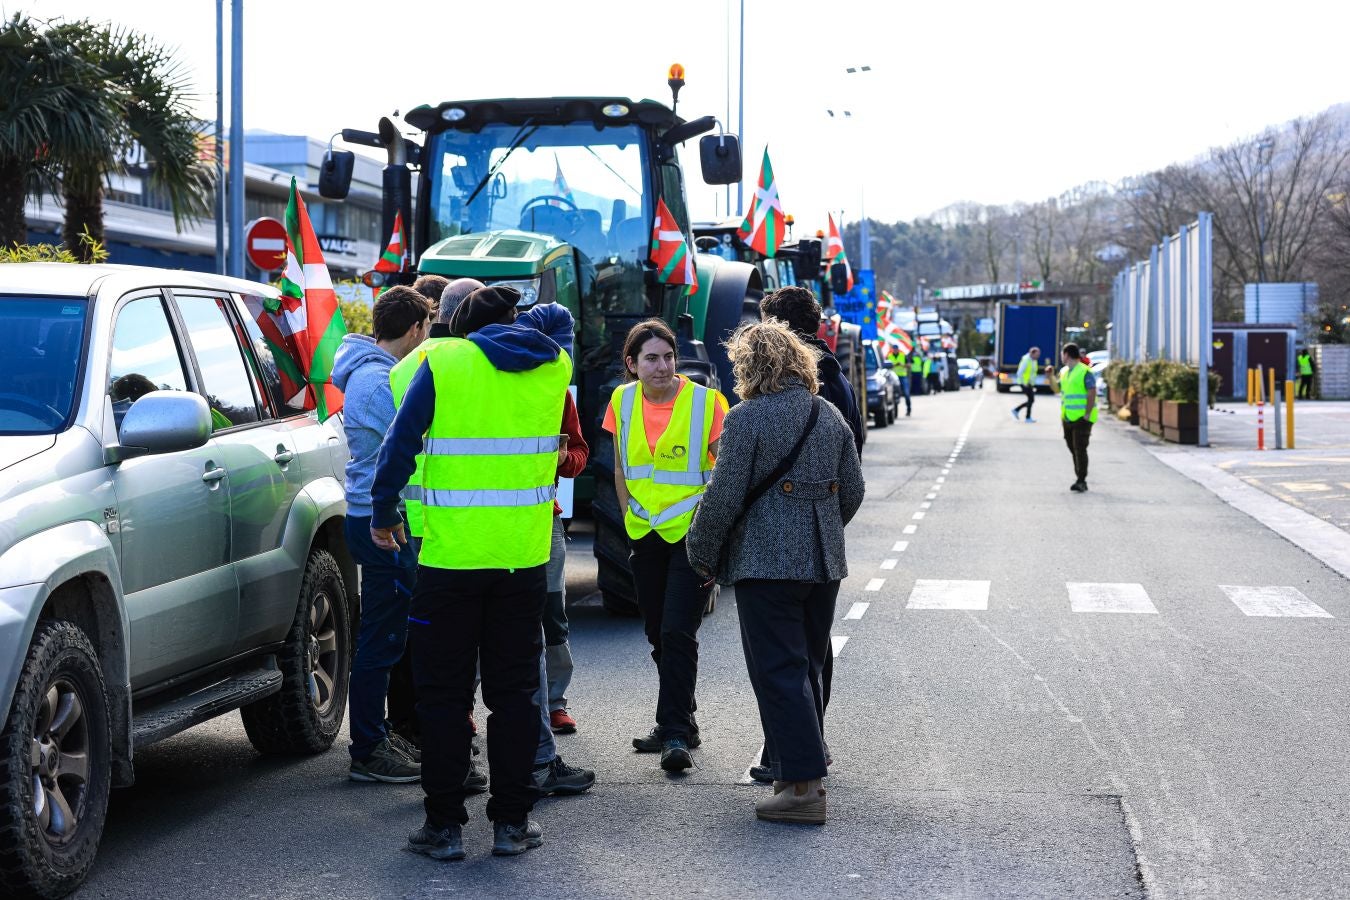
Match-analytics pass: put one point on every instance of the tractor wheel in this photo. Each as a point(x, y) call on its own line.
point(848, 350)
point(733, 299)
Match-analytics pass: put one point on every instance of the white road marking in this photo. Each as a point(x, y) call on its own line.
point(1085, 597)
point(745, 776)
point(837, 642)
point(856, 611)
point(1273, 601)
point(946, 471)
point(941, 479)
point(910, 529)
point(900, 546)
point(940, 594)
point(889, 563)
point(875, 584)
point(931, 497)
point(917, 515)
point(926, 504)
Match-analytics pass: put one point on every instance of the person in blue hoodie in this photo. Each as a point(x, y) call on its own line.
point(401, 317)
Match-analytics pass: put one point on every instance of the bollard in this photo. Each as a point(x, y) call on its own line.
point(1251, 394)
point(1275, 414)
point(1289, 413)
point(1260, 411)
point(1271, 392)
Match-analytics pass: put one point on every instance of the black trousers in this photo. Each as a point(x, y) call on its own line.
point(460, 618)
point(1076, 435)
point(1305, 386)
point(785, 632)
point(1030, 391)
point(672, 601)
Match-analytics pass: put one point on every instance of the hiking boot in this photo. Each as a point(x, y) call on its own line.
point(476, 782)
point(786, 805)
point(385, 764)
point(514, 839)
point(558, 779)
point(439, 843)
point(652, 742)
point(675, 756)
point(561, 721)
point(405, 746)
point(761, 774)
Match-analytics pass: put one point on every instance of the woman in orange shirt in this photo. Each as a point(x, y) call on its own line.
point(670, 594)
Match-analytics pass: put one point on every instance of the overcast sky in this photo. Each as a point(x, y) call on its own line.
point(990, 102)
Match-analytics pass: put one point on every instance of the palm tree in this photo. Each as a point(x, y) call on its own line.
point(154, 115)
point(55, 107)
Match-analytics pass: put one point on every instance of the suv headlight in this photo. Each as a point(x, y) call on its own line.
point(528, 287)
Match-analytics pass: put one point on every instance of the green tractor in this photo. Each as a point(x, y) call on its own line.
point(797, 263)
point(556, 197)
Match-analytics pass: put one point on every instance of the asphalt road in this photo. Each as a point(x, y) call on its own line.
point(1139, 691)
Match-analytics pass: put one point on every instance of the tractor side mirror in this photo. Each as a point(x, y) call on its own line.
point(839, 279)
point(720, 156)
point(335, 174)
point(806, 262)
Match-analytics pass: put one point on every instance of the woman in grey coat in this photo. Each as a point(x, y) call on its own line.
point(785, 553)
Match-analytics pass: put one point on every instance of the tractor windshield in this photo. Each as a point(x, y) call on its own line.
point(586, 187)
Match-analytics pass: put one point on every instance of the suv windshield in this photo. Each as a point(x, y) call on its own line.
point(583, 186)
point(40, 341)
point(870, 359)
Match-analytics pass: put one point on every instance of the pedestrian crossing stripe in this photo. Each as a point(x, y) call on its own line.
point(1273, 601)
point(932, 593)
point(1109, 598)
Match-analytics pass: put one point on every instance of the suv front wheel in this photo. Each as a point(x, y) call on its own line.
point(54, 768)
point(305, 715)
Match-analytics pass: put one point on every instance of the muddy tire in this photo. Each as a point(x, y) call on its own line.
point(304, 717)
point(54, 766)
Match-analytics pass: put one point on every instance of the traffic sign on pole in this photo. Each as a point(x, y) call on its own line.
point(265, 243)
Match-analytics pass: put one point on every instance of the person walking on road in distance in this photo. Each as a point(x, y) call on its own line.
point(402, 695)
point(665, 430)
point(1027, 369)
point(1306, 373)
point(361, 370)
point(485, 410)
point(1078, 410)
point(932, 381)
point(900, 363)
point(787, 482)
point(798, 308)
point(915, 372)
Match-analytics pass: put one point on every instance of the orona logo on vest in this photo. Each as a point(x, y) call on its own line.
point(676, 452)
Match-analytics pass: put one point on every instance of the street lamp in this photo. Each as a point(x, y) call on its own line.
point(1264, 150)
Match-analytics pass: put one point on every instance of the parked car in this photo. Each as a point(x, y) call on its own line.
point(171, 547)
point(883, 386)
point(969, 372)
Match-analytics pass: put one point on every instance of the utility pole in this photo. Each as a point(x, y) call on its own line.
point(220, 137)
point(1263, 151)
point(237, 138)
point(740, 113)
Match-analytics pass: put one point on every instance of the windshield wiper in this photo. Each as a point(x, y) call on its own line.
point(521, 137)
point(591, 150)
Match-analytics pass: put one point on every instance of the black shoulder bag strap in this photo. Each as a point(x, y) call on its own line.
point(783, 468)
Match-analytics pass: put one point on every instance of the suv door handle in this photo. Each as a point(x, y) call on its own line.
point(213, 474)
point(283, 456)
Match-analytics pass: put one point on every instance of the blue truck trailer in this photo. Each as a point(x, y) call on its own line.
point(1019, 327)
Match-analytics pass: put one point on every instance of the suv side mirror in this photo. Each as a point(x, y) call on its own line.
point(720, 157)
point(164, 422)
point(335, 174)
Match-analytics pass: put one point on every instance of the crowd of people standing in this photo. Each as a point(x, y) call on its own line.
point(459, 423)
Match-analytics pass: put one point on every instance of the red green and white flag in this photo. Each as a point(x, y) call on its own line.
point(276, 331)
point(670, 251)
point(391, 260)
point(762, 229)
point(834, 251)
point(310, 308)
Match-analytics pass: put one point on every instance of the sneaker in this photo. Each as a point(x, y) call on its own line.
point(559, 779)
point(1030, 420)
point(405, 746)
point(513, 840)
point(675, 756)
point(652, 742)
point(761, 774)
point(444, 843)
point(786, 805)
point(1078, 487)
point(476, 782)
point(561, 721)
point(385, 764)
point(1016, 415)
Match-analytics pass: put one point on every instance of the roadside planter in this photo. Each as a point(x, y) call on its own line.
point(1181, 422)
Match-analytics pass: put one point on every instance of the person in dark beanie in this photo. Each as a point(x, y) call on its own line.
point(486, 306)
point(361, 371)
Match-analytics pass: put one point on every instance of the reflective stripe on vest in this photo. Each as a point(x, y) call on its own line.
point(490, 446)
point(1073, 403)
point(665, 487)
point(472, 498)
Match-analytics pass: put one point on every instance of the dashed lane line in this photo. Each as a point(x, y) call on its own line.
point(837, 642)
point(856, 610)
point(875, 584)
point(900, 546)
point(917, 515)
point(910, 529)
point(889, 563)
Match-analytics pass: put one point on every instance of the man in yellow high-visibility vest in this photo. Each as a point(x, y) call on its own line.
point(1025, 379)
point(489, 407)
point(1078, 410)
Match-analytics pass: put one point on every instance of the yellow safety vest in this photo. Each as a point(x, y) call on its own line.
point(1029, 373)
point(664, 488)
point(491, 456)
point(916, 365)
point(1073, 402)
point(1305, 365)
point(927, 366)
point(400, 377)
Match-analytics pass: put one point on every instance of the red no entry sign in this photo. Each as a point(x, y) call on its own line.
point(265, 243)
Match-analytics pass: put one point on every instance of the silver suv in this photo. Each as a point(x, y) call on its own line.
point(170, 543)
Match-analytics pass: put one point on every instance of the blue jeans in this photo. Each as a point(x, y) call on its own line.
point(387, 581)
